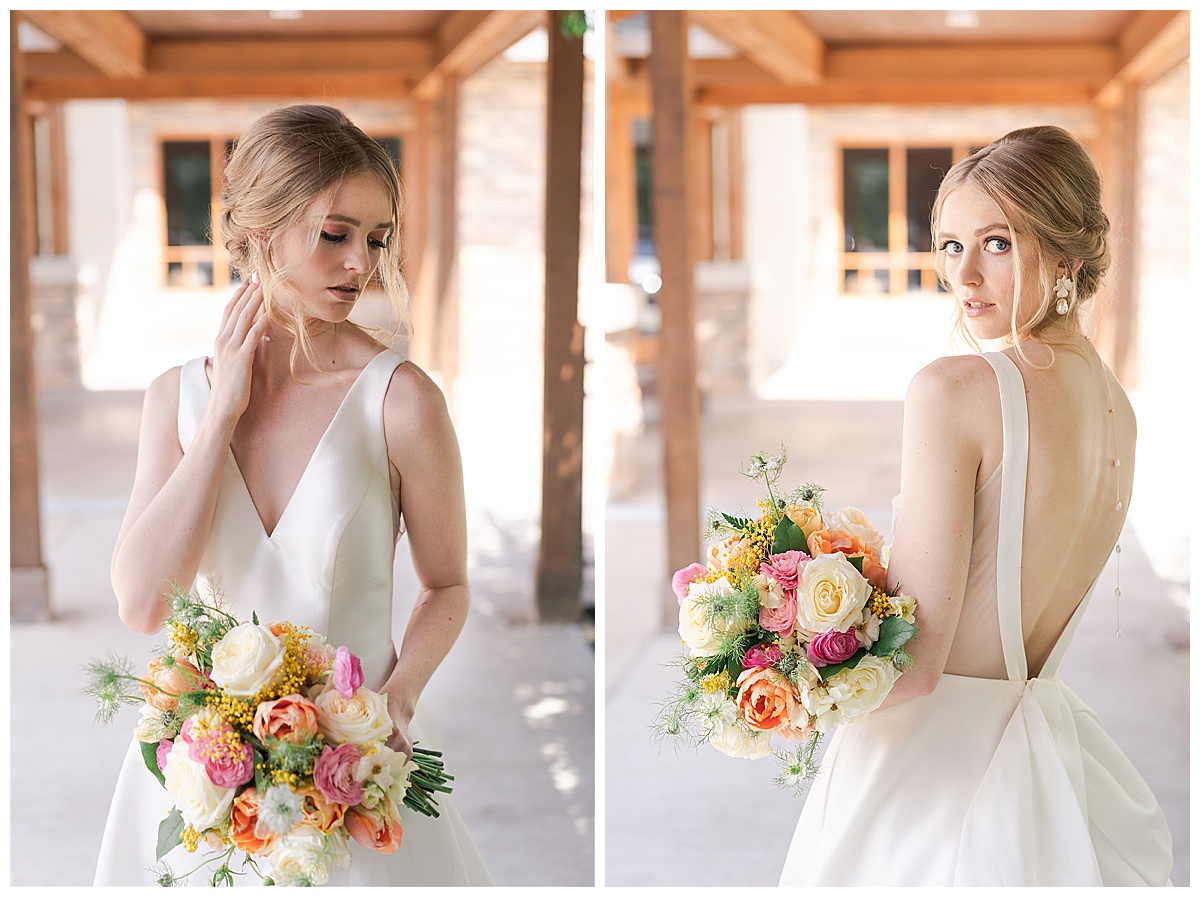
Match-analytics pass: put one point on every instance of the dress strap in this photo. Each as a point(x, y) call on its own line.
point(1014, 416)
point(193, 399)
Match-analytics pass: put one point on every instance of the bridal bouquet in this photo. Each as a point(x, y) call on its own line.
point(268, 744)
point(789, 628)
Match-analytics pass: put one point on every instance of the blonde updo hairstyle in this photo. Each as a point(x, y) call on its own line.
point(1049, 191)
point(283, 171)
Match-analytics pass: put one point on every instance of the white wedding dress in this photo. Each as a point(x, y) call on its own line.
point(985, 781)
point(327, 565)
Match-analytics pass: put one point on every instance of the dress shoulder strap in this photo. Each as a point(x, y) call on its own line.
point(1014, 415)
point(193, 399)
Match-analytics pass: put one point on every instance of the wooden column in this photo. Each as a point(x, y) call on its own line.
point(560, 557)
point(737, 186)
point(671, 97)
point(446, 291)
point(421, 231)
point(700, 194)
point(30, 590)
point(620, 187)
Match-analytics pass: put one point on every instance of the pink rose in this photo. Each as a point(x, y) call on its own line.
point(230, 768)
point(685, 577)
point(832, 647)
point(347, 673)
point(784, 568)
point(780, 619)
point(761, 656)
point(333, 774)
point(160, 755)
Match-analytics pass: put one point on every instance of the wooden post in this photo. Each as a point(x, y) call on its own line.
point(1125, 311)
point(445, 336)
point(29, 582)
point(421, 232)
point(560, 558)
point(620, 187)
point(671, 96)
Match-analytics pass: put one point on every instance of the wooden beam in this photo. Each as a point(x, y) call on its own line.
point(1092, 63)
point(560, 556)
point(671, 92)
point(28, 582)
point(470, 39)
point(924, 92)
point(331, 85)
point(108, 39)
point(408, 57)
point(776, 40)
point(1154, 42)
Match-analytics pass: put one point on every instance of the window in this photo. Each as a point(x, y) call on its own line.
point(193, 253)
point(887, 197)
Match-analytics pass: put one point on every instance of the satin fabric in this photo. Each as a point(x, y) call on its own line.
point(985, 781)
point(327, 565)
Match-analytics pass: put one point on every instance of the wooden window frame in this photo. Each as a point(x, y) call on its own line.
point(896, 262)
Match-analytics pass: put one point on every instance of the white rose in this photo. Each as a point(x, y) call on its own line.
point(202, 804)
point(246, 659)
point(859, 691)
point(387, 769)
point(854, 522)
point(359, 719)
point(308, 854)
point(703, 638)
point(153, 725)
point(831, 595)
point(739, 741)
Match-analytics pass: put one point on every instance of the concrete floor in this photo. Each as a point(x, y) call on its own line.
point(669, 814)
point(514, 701)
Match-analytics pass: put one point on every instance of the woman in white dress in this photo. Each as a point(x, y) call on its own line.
point(982, 768)
point(278, 471)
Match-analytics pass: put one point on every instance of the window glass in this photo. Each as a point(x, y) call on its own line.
point(925, 169)
point(865, 199)
point(187, 191)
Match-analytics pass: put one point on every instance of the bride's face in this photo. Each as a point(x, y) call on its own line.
point(981, 263)
point(352, 234)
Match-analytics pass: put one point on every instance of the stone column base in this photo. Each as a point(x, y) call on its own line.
point(30, 595)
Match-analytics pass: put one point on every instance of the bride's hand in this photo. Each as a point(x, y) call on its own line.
point(399, 741)
point(242, 326)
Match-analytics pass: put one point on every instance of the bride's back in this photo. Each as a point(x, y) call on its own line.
point(1071, 520)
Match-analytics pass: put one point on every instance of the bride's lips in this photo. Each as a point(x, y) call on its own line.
point(345, 292)
point(973, 308)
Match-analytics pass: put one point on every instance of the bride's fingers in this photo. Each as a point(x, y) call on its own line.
point(246, 317)
point(237, 297)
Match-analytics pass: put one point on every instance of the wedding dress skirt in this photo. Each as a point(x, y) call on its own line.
point(327, 564)
point(984, 781)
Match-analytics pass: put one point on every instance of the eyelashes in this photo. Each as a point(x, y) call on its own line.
point(341, 238)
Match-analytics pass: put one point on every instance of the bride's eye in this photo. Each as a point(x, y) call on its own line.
point(950, 247)
point(333, 238)
point(378, 244)
point(996, 244)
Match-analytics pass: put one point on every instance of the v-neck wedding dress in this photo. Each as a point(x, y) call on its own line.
point(327, 564)
point(984, 782)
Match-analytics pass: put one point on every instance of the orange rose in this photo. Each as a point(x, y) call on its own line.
point(378, 829)
point(807, 519)
point(292, 718)
point(722, 555)
point(279, 630)
point(318, 811)
point(766, 699)
point(173, 680)
point(243, 819)
point(874, 571)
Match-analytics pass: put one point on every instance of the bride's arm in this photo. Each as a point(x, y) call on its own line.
point(424, 450)
point(931, 549)
point(170, 510)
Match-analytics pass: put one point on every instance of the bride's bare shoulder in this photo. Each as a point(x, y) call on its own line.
point(953, 382)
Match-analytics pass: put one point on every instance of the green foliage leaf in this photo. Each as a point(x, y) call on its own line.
point(254, 617)
point(170, 832)
point(788, 537)
point(894, 633)
point(738, 523)
point(857, 562)
point(150, 757)
point(826, 671)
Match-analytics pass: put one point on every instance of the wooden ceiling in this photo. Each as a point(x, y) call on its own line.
point(203, 53)
point(917, 57)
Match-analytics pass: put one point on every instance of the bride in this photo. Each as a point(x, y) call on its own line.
point(982, 768)
point(282, 470)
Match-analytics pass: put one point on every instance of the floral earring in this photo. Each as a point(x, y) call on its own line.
point(1062, 289)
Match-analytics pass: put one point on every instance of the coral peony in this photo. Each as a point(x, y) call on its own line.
point(292, 718)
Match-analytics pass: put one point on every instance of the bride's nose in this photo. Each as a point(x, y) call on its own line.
point(356, 258)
